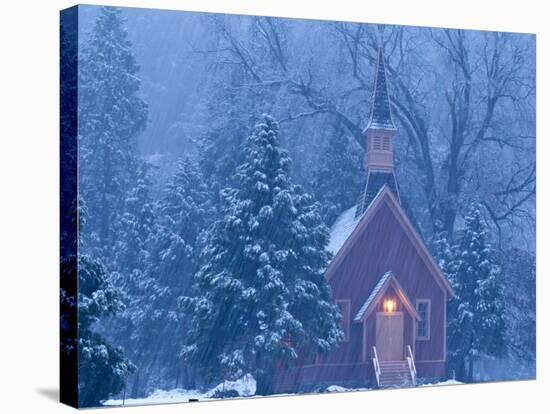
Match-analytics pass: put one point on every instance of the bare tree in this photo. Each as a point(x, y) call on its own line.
point(454, 93)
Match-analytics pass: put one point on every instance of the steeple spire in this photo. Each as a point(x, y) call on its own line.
point(379, 135)
point(380, 113)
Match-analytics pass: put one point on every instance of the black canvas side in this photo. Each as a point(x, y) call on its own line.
point(69, 206)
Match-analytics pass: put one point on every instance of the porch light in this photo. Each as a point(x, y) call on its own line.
point(389, 306)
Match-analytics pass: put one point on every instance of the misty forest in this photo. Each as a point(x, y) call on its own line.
point(215, 153)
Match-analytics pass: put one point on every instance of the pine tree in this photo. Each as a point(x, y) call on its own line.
point(136, 224)
point(111, 115)
point(68, 90)
point(220, 149)
point(442, 250)
point(173, 259)
point(261, 292)
point(476, 317)
point(338, 192)
point(135, 232)
point(102, 367)
point(519, 273)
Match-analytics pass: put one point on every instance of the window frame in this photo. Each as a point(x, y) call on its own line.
point(428, 302)
point(347, 327)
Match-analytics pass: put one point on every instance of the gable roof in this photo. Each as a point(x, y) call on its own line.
point(370, 300)
point(388, 279)
point(341, 229)
point(375, 181)
point(344, 225)
point(351, 233)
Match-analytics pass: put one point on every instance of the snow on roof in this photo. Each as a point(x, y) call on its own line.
point(342, 229)
point(345, 224)
point(372, 296)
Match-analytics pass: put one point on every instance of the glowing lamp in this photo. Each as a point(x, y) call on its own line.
point(389, 306)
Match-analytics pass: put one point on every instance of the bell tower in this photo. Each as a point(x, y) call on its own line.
point(379, 134)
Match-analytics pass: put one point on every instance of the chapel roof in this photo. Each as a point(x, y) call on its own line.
point(347, 228)
point(386, 280)
point(345, 224)
point(380, 114)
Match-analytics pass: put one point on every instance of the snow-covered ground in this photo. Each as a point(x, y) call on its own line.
point(244, 387)
point(448, 382)
point(336, 388)
point(339, 388)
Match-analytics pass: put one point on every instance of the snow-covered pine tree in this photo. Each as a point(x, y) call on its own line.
point(476, 317)
point(183, 214)
point(68, 90)
point(102, 367)
point(338, 192)
point(220, 149)
point(111, 115)
point(134, 233)
point(519, 275)
point(261, 294)
point(135, 226)
point(444, 253)
point(442, 250)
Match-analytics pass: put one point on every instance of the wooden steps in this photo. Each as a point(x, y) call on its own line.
point(395, 374)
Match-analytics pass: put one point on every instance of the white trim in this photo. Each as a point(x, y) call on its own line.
point(445, 303)
point(414, 322)
point(402, 295)
point(373, 167)
point(365, 353)
point(428, 318)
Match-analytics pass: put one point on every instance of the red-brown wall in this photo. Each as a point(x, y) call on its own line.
point(382, 246)
point(385, 246)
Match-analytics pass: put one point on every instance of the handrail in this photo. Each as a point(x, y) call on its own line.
point(412, 366)
point(376, 364)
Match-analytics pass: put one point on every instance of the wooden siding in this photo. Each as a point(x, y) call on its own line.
point(383, 245)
